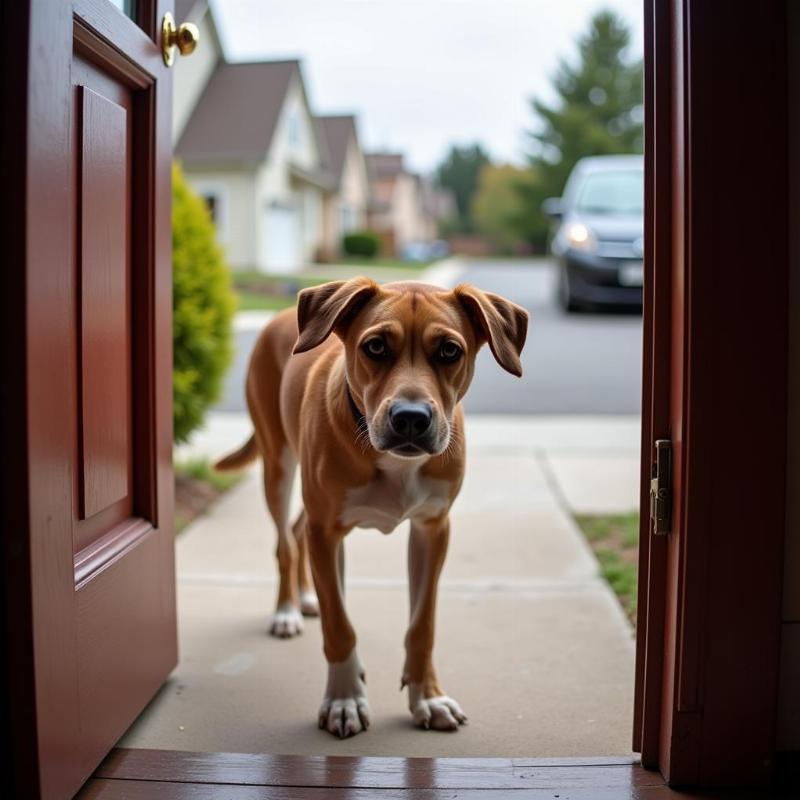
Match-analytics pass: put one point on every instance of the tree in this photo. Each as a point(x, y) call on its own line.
point(459, 173)
point(598, 110)
point(498, 211)
point(203, 305)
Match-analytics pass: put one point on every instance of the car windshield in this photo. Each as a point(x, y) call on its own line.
point(612, 193)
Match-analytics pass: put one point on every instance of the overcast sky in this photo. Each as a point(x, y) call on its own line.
point(421, 74)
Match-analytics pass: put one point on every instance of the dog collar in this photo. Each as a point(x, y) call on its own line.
point(358, 415)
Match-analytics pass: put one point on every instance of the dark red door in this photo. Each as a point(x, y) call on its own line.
point(90, 557)
point(715, 386)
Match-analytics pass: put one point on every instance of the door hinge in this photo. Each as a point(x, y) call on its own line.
point(661, 488)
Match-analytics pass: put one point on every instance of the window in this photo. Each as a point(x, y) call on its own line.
point(347, 218)
point(293, 131)
point(215, 195)
point(211, 202)
point(612, 193)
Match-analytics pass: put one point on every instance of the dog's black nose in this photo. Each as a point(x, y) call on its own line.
point(410, 420)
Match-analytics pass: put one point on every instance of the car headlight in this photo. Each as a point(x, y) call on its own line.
point(579, 237)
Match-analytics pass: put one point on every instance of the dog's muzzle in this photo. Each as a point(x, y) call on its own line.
point(411, 431)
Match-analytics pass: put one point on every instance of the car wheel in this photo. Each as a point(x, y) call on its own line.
point(565, 298)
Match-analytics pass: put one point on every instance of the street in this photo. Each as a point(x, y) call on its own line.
point(587, 363)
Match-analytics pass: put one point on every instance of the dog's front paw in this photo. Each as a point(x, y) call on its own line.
point(286, 622)
point(345, 711)
point(439, 712)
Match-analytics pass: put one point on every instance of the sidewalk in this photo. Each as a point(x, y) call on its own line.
point(529, 640)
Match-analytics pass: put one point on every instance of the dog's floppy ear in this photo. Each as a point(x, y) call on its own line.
point(320, 309)
point(501, 323)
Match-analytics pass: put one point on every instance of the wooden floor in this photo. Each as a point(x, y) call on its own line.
point(178, 775)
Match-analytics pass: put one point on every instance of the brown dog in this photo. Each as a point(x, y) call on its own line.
point(373, 416)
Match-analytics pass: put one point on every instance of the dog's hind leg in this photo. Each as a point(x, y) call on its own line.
point(309, 605)
point(279, 476)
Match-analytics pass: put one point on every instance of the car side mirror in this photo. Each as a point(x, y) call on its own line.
point(553, 208)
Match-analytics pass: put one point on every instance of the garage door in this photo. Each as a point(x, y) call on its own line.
point(282, 240)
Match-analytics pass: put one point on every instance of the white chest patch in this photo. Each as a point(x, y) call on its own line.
point(397, 492)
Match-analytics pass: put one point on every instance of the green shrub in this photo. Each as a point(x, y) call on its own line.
point(361, 243)
point(203, 305)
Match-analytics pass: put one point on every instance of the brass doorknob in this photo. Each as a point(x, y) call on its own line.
point(185, 38)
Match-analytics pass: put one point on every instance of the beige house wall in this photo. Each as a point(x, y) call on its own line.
point(234, 193)
point(354, 191)
point(407, 220)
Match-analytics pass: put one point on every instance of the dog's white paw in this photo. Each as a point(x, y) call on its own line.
point(345, 711)
point(286, 622)
point(309, 605)
point(441, 713)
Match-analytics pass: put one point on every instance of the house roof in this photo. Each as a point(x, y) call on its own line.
point(384, 165)
point(236, 116)
point(337, 132)
point(182, 9)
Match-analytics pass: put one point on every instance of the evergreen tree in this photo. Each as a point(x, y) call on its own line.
point(598, 112)
point(459, 173)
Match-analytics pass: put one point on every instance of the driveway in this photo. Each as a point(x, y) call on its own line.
point(573, 363)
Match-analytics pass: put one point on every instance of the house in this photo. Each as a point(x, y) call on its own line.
point(345, 207)
point(395, 210)
point(260, 165)
point(404, 208)
point(248, 144)
point(438, 204)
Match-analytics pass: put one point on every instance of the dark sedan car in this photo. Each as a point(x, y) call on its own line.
point(598, 242)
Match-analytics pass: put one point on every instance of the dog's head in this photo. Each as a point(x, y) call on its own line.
point(410, 352)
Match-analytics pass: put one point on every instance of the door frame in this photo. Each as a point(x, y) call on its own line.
point(715, 383)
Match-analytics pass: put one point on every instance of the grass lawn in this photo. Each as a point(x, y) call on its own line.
point(197, 486)
point(259, 292)
point(381, 261)
point(255, 301)
point(615, 541)
point(271, 281)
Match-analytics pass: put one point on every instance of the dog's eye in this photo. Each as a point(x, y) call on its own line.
point(376, 348)
point(449, 352)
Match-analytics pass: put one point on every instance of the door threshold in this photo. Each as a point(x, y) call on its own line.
point(138, 774)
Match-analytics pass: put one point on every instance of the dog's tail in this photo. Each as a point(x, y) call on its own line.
point(240, 458)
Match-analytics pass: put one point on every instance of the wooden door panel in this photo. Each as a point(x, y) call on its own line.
point(92, 545)
point(104, 210)
point(103, 116)
point(125, 644)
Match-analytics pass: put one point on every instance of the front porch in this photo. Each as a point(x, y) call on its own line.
point(530, 639)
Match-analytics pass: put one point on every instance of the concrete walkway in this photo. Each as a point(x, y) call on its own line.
point(530, 640)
